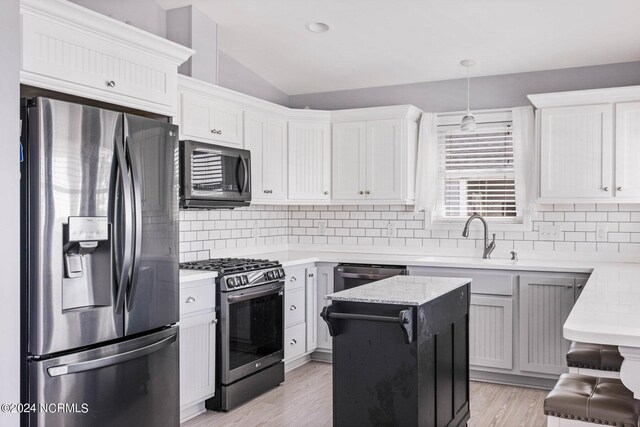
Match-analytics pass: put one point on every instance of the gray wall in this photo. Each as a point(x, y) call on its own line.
point(10, 196)
point(233, 75)
point(508, 90)
point(144, 14)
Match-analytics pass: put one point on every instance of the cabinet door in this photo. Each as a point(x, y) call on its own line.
point(349, 155)
point(294, 307)
point(627, 150)
point(196, 116)
point(324, 286)
point(491, 332)
point(197, 356)
point(312, 309)
point(576, 152)
point(274, 170)
point(309, 161)
point(227, 124)
point(384, 160)
point(255, 130)
point(545, 304)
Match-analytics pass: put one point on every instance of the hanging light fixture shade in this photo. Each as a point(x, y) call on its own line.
point(468, 123)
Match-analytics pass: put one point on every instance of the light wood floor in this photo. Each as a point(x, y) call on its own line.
point(304, 399)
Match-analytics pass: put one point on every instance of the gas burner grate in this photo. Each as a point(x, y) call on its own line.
point(229, 265)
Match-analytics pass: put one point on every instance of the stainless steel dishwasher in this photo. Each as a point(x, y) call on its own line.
point(347, 276)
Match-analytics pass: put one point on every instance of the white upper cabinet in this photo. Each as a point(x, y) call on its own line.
point(589, 145)
point(385, 173)
point(265, 136)
point(349, 158)
point(309, 161)
point(210, 120)
point(627, 181)
point(575, 152)
point(373, 159)
point(74, 50)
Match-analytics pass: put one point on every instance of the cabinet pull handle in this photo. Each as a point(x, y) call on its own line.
point(111, 83)
point(293, 307)
point(569, 286)
point(216, 132)
point(190, 300)
point(293, 279)
point(293, 342)
point(214, 321)
point(579, 286)
point(367, 192)
point(619, 188)
point(606, 188)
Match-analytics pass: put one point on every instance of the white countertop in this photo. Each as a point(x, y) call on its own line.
point(401, 290)
point(187, 276)
point(608, 310)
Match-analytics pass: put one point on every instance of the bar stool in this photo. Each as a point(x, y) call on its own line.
point(581, 401)
point(596, 360)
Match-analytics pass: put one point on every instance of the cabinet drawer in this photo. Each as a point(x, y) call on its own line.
point(294, 306)
point(295, 277)
point(483, 282)
point(197, 298)
point(294, 341)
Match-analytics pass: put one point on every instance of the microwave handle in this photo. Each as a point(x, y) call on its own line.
point(246, 174)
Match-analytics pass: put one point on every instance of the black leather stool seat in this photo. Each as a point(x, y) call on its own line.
point(594, 356)
point(595, 400)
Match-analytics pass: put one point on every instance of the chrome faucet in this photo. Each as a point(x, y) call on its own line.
point(488, 247)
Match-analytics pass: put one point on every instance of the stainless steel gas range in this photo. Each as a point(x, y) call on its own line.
point(250, 351)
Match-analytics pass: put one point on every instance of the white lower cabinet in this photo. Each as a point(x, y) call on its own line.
point(491, 331)
point(324, 286)
point(300, 334)
point(294, 341)
point(197, 346)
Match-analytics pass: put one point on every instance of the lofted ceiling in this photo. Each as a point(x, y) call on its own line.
point(386, 42)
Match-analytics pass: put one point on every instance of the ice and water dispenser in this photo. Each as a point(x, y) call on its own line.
point(87, 280)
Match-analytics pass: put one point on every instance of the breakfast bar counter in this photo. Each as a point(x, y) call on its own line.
point(395, 343)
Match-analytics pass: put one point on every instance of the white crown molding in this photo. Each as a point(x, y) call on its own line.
point(103, 26)
point(409, 112)
point(585, 97)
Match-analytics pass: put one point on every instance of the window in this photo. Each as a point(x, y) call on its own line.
point(476, 172)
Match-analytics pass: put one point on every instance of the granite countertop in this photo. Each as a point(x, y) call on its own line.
point(401, 290)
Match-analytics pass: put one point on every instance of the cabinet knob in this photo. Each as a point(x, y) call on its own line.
point(216, 132)
point(214, 321)
point(619, 188)
point(326, 193)
point(310, 274)
point(293, 307)
point(190, 300)
point(111, 83)
point(361, 192)
point(293, 342)
point(606, 188)
point(367, 192)
point(569, 286)
point(579, 286)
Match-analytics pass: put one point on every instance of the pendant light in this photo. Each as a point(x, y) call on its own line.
point(468, 123)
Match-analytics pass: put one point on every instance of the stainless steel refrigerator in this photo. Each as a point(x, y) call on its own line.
point(100, 267)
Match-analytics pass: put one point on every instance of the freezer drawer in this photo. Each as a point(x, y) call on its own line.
point(132, 383)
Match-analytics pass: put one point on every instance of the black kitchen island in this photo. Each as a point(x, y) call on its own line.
point(401, 352)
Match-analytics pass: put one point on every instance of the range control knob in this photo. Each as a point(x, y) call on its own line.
point(270, 275)
point(282, 272)
point(245, 280)
point(231, 282)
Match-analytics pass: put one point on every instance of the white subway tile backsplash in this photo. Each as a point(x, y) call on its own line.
point(202, 233)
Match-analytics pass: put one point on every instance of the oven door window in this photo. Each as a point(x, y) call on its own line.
point(255, 329)
point(215, 174)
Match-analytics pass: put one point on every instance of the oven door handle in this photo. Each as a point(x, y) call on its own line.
point(363, 276)
point(247, 296)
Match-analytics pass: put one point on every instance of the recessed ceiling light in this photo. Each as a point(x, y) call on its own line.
point(317, 27)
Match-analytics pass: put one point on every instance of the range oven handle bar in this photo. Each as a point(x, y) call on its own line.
point(89, 365)
point(404, 319)
point(364, 276)
point(250, 295)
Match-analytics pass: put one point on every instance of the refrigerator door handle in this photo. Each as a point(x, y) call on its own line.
point(137, 213)
point(123, 275)
point(89, 365)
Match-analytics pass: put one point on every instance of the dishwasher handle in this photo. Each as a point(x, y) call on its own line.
point(404, 319)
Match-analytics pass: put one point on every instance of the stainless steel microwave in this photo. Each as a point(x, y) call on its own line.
point(213, 176)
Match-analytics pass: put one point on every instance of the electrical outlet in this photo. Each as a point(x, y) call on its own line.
point(601, 233)
point(322, 228)
point(549, 232)
point(391, 229)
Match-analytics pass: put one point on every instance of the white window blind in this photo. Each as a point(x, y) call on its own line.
point(476, 172)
